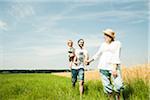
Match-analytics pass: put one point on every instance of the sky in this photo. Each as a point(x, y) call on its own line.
point(33, 33)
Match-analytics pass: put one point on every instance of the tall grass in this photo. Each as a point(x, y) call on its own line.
point(141, 72)
point(137, 82)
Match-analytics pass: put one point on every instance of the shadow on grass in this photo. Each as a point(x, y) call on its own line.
point(127, 92)
point(136, 89)
point(86, 89)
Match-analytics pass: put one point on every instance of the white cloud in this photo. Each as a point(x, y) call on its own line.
point(3, 25)
point(21, 10)
point(51, 21)
point(125, 15)
point(137, 21)
point(46, 51)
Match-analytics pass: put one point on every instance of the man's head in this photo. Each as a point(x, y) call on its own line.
point(81, 43)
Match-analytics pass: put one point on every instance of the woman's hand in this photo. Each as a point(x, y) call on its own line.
point(114, 73)
point(87, 62)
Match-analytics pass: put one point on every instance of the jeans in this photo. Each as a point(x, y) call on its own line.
point(111, 83)
point(77, 73)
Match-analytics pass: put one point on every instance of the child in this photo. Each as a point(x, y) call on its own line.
point(71, 52)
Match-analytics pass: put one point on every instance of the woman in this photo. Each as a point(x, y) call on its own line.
point(109, 64)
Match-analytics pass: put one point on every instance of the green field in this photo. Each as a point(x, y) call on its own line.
point(51, 87)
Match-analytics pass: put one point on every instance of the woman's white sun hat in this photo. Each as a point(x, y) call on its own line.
point(110, 33)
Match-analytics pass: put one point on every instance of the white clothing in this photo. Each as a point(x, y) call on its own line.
point(109, 54)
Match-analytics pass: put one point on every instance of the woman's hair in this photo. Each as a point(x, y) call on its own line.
point(112, 39)
point(80, 40)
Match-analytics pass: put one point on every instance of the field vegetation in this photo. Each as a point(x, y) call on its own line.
point(53, 87)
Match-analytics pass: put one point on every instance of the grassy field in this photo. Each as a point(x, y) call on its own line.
point(44, 86)
point(52, 87)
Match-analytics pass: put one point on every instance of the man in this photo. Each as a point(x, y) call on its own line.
point(109, 64)
point(78, 70)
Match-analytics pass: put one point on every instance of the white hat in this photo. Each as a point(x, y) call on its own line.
point(109, 32)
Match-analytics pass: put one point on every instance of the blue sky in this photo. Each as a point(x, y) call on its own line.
point(33, 33)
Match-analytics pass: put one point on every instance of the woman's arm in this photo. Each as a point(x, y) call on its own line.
point(98, 53)
point(116, 58)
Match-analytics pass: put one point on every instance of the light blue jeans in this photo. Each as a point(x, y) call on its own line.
point(109, 82)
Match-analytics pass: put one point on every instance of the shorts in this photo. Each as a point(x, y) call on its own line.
point(109, 82)
point(77, 73)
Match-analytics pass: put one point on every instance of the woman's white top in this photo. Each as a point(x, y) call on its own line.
point(109, 54)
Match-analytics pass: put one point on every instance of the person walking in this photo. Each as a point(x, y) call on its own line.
point(78, 70)
point(109, 64)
